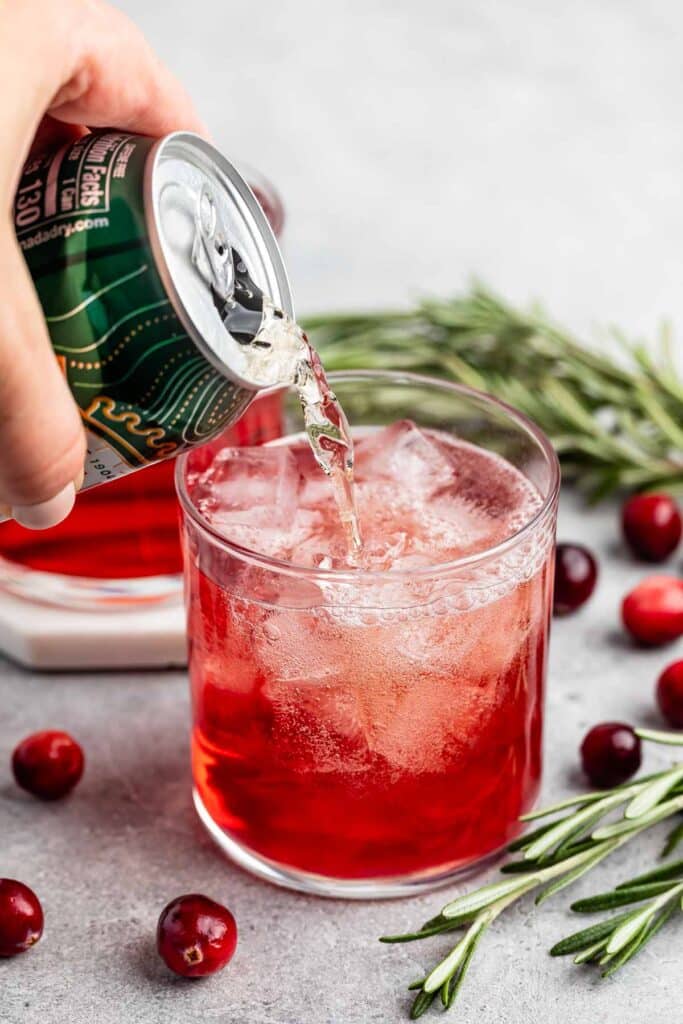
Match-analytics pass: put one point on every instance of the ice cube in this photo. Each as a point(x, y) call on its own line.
point(410, 730)
point(486, 483)
point(317, 491)
point(406, 455)
point(315, 708)
point(254, 487)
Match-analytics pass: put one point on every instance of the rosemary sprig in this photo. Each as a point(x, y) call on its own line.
point(615, 422)
point(553, 856)
point(670, 739)
point(615, 941)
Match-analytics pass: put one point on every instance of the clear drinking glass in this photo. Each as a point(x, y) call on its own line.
point(368, 734)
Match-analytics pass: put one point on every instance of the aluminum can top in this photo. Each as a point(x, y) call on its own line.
point(214, 246)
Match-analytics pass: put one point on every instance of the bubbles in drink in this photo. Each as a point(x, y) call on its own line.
point(404, 705)
point(422, 498)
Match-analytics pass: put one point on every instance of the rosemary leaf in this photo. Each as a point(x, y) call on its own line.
point(423, 1000)
point(588, 936)
point(522, 842)
point(628, 931)
point(563, 805)
point(616, 422)
point(620, 897)
point(671, 739)
point(616, 960)
point(570, 826)
point(650, 817)
point(458, 955)
point(516, 867)
point(591, 952)
point(653, 793)
point(561, 883)
point(426, 933)
point(648, 933)
point(457, 985)
point(483, 897)
point(590, 798)
point(674, 837)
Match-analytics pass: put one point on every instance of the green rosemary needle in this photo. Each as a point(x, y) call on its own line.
point(552, 857)
point(615, 941)
point(614, 415)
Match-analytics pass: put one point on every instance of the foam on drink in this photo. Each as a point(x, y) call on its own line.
point(422, 498)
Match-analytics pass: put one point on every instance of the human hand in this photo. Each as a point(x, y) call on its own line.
point(64, 64)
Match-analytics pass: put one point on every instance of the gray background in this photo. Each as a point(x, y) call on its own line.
point(539, 145)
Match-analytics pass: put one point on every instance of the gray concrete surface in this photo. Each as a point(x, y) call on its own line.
point(107, 860)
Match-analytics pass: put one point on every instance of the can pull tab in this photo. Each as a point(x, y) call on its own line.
point(240, 303)
point(211, 252)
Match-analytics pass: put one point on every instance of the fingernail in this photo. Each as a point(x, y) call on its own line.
point(46, 513)
point(78, 480)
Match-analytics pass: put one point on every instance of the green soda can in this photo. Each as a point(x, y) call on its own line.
point(152, 260)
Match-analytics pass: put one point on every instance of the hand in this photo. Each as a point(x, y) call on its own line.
point(64, 64)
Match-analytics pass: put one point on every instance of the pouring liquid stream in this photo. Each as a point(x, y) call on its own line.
point(325, 422)
point(330, 438)
point(274, 339)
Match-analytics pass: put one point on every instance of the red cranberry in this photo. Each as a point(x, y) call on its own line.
point(48, 764)
point(196, 936)
point(21, 917)
point(576, 573)
point(670, 694)
point(652, 526)
point(610, 753)
point(653, 611)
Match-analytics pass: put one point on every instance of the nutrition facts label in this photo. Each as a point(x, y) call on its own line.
point(73, 182)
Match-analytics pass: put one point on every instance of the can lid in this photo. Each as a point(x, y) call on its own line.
point(212, 242)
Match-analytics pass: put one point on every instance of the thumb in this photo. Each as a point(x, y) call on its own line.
point(42, 442)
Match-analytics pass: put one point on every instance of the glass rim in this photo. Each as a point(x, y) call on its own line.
point(342, 576)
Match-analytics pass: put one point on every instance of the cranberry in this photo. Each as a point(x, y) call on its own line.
point(652, 526)
point(653, 611)
point(610, 753)
point(670, 694)
point(21, 917)
point(48, 764)
point(576, 573)
point(196, 936)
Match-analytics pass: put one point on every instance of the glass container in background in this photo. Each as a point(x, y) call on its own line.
point(121, 542)
point(370, 734)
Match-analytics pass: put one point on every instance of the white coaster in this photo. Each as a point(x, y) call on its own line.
point(45, 637)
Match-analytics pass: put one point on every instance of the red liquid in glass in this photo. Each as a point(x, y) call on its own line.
point(373, 746)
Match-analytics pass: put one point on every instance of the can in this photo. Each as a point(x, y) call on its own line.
point(155, 268)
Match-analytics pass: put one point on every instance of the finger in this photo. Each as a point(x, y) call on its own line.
point(118, 81)
point(43, 443)
point(86, 64)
